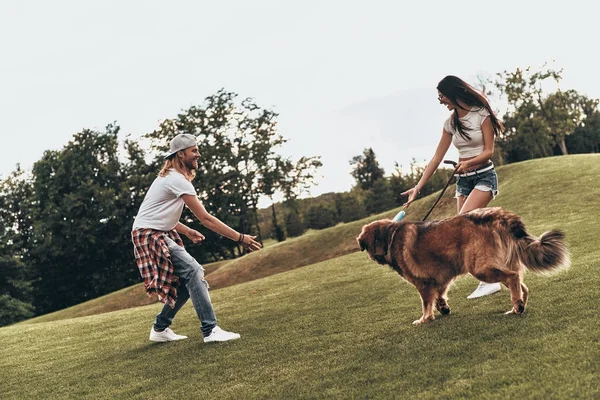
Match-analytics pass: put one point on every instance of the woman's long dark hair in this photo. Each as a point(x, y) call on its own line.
point(459, 92)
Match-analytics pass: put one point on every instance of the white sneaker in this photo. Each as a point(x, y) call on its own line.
point(219, 335)
point(165, 336)
point(485, 289)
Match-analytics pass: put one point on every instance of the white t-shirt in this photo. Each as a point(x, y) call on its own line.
point(472, 121)
point(162, 205)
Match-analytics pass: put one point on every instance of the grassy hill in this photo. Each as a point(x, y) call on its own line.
point(341, 328)
point(133, 296)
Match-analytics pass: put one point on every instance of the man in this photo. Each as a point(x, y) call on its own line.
point(166, 267)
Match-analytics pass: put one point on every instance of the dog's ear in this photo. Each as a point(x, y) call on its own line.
point(380, 241)
point(364, 239)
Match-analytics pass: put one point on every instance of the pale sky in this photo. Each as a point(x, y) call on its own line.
point(343, 75)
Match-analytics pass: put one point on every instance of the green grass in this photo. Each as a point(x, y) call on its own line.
point(341, 328)
point(132, 296)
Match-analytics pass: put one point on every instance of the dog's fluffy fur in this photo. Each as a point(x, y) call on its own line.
point(490, 243)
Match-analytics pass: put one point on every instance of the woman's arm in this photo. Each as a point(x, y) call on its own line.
point(441, 150)
point(216, 225)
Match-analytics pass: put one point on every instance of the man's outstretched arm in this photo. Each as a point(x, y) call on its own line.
point(216, 225)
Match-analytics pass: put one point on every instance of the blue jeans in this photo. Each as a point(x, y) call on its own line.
point(486, 181)
point(191, 285)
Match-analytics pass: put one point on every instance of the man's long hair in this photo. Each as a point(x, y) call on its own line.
point(176, 162)
point(458, 91)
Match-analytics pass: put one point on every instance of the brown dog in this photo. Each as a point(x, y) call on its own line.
point(490, 243)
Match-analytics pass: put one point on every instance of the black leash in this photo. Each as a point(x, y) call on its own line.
point(443, 190)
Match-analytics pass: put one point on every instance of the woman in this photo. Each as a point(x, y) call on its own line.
point(471, 128)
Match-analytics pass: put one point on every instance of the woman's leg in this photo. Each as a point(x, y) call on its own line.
point(460, 201)
point(479, 199)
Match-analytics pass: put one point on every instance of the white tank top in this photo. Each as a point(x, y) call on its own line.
point(472, 121)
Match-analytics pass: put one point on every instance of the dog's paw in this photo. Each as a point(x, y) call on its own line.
point(444, 310)
point(518, 308)
point(423, 320)
point(442, 306)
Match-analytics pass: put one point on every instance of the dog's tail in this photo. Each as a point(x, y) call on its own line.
point(545, 254)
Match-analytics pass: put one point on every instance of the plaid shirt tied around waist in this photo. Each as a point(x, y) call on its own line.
point(153, 259)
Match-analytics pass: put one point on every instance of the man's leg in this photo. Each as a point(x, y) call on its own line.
point(192, 274)
point(161, 332)
point(166, 315)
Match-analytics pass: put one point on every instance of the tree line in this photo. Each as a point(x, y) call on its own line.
point(65, 225)
point(374, 192)
point(538, 124)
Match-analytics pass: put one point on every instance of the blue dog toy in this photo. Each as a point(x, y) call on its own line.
point(399, 216)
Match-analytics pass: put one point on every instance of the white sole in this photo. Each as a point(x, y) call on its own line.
point(221, 341)
point(162, 340)
point(482, 295)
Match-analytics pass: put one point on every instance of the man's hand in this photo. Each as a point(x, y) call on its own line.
point(195, 236)
point(250, 243)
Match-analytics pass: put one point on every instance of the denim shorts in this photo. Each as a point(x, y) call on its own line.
point(486, 182)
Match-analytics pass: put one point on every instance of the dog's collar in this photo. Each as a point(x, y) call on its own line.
point(392, 261)
point(392, 240)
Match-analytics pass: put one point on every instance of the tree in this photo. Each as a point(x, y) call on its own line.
point(586, 138)
point(537, 122)
point(15, 291)
point(321, 217)
point(292, 180)
point(380, 197)
point(366, 169)
point(564, 113)
point(16, 213)
point(348, 207)
point(278, 231)
point(523, 137)
point(400, 182)
point(82, 221)
point(237, 142)
point(16, 277)
point(294, 224)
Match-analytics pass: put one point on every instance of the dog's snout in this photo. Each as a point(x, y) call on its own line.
point(362, 244)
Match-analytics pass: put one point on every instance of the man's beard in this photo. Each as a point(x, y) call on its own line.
point(191, 165)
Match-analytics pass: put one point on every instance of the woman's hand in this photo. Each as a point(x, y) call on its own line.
point(412, 195)
point(463, 167)
point(249, 242)
point(195, 236)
